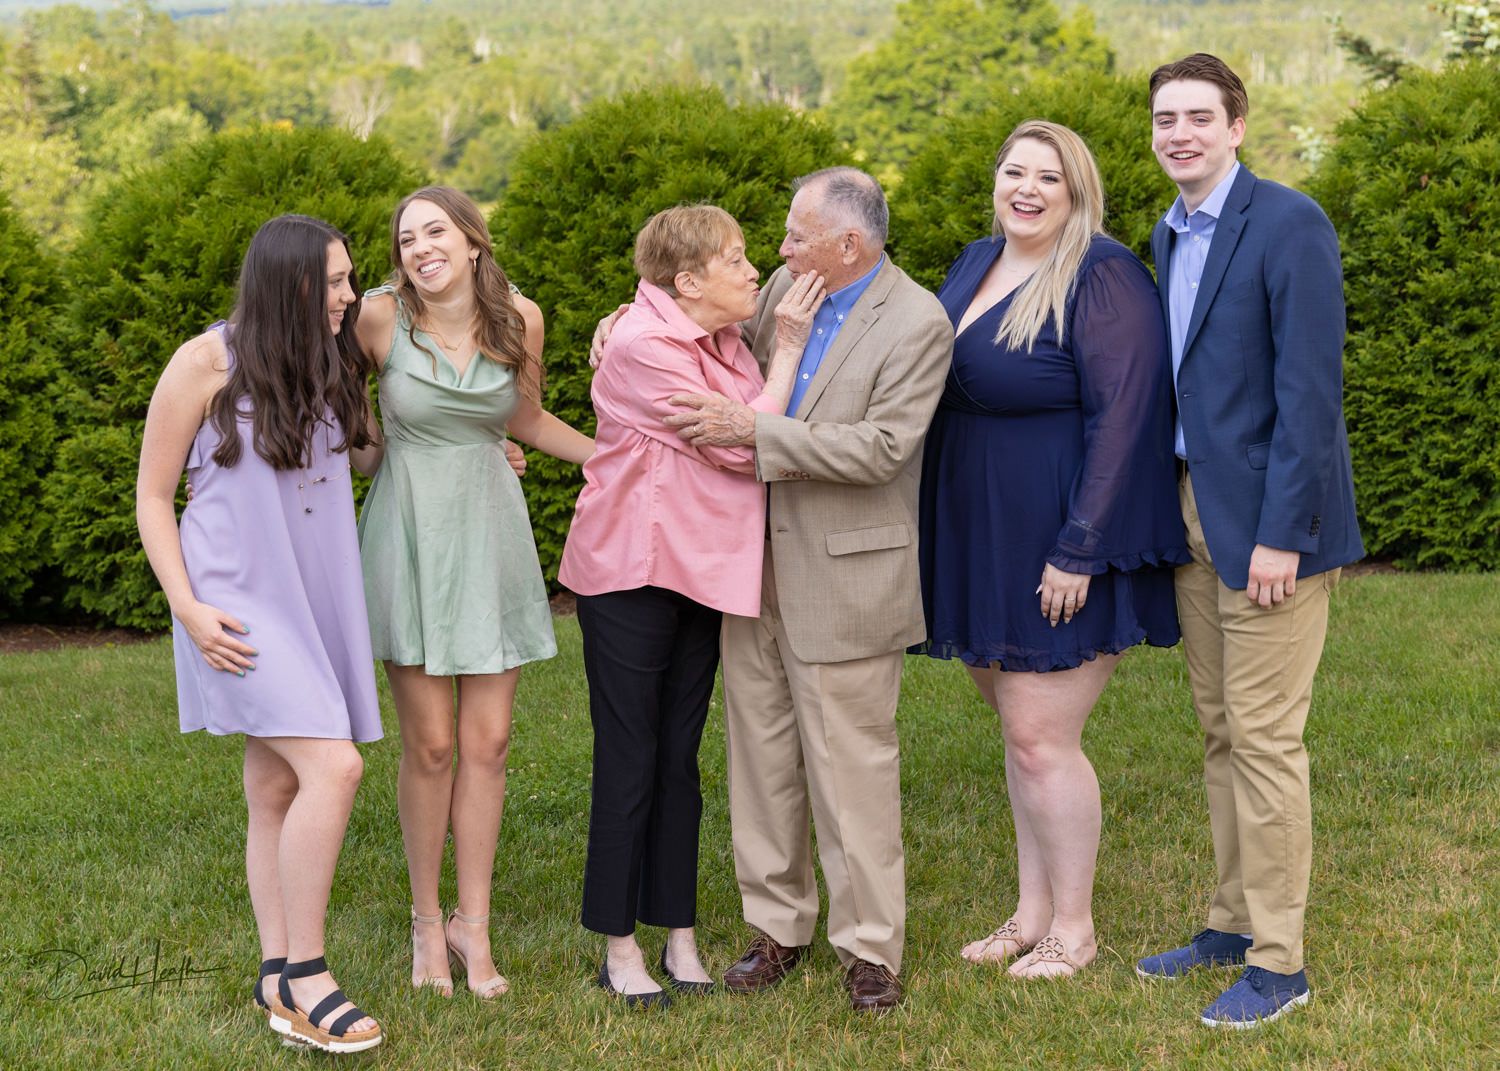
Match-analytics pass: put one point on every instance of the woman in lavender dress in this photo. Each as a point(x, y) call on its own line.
point(263, 579)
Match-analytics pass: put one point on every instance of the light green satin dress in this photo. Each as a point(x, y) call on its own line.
point(451, 574)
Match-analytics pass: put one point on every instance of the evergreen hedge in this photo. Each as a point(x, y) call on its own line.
point(154, 266)
point(946, 198)
point(29, 383)
point(1412, 184)
point(579, 193)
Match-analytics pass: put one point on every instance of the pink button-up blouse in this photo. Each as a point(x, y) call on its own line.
point(654, 509)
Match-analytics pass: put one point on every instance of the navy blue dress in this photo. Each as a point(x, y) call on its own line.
point(1061, 455)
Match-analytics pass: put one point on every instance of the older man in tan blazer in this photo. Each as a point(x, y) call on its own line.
point(811, 685)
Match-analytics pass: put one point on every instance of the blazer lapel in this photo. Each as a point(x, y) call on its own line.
point(860, 319)
point(1226, 236)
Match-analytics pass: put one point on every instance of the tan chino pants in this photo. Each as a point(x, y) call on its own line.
point(1252, 673)
point(821, 737)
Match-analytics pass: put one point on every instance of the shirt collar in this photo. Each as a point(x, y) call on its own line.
point(667, 308)
point(1212, 206)
point(843, 299)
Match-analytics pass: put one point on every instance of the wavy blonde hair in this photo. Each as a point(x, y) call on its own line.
point(498, 327)
point(1045, 295)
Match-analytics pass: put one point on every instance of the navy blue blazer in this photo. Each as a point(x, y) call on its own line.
point(1260, 388)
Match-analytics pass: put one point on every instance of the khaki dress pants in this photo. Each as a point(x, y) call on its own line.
point(1252, 673)
point(821, 737)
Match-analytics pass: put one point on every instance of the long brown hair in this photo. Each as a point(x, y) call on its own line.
point(497, 325)
point(287, 361)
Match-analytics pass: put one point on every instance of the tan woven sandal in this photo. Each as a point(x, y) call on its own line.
point(1007, 934)
point(493, 987)
point(443, 983)
point(1049, 949)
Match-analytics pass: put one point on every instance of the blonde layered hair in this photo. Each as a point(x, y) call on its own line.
point(1045, 295)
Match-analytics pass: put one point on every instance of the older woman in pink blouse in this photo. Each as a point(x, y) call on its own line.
point(666, 537)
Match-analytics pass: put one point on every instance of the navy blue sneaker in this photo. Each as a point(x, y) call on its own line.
point(1208, 948)
point(1260, 996)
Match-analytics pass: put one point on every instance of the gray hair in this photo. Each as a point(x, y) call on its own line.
point(855, 196)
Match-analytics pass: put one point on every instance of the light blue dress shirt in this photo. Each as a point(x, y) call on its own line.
point(827, 323)
point(1194, 234)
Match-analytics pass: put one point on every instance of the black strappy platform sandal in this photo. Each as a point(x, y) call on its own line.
point(303, 1026)
point(279, 1023)
point(268, 967)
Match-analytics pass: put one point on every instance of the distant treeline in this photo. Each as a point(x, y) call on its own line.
point(460, 86)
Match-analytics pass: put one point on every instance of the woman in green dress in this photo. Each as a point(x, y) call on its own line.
point(455, 593)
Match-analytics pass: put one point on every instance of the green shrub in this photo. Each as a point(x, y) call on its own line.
point(1412, 184)
point(946, 199)
point(155, 265)
point(28, 387)
point(580, 192)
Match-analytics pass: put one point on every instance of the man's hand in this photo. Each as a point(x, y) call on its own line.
point(515, 457)
point(601, 336)
point(1273, 575)
point(715, 421)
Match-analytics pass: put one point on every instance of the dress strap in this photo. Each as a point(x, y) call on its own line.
point(403, 315)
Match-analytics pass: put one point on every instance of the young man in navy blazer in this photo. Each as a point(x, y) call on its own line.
point(1251, 285)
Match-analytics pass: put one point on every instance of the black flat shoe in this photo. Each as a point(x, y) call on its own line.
point(697, 989)
point(660, 999)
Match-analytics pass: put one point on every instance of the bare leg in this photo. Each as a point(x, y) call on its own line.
point(424, 792)
point(328, 773)
point(1050, 778)
point(485, 702)
point(1033, 913)
point(270, 787)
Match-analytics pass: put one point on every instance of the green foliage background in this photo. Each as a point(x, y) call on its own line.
point(155, 266)
point(28, 389)
point(566, 228)
point(946, 199)
point(949, 58)
point(1411, 184)
point(141, 154)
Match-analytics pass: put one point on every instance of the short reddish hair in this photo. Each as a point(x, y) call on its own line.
point(1201, 67)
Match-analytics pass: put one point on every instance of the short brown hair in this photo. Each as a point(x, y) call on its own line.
point(1201, 67)
point(680, 239)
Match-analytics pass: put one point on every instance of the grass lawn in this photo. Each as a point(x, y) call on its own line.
point(117, 833)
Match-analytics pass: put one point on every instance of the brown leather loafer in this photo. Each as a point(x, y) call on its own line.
point(764, 964)
point(872, 987)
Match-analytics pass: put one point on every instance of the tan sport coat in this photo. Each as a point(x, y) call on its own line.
point(842, 471)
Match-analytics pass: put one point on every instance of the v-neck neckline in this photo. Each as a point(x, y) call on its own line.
point(460, 376)
point(978, 282)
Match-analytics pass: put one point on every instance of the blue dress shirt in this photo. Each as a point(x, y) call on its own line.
point(1193, 235)
point(827, 322)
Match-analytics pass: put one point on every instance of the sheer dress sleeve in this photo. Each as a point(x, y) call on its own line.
point(1122, 512)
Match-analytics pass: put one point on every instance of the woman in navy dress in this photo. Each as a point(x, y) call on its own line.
point(1050, 522)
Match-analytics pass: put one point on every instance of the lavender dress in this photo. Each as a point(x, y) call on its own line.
point(277, 550)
